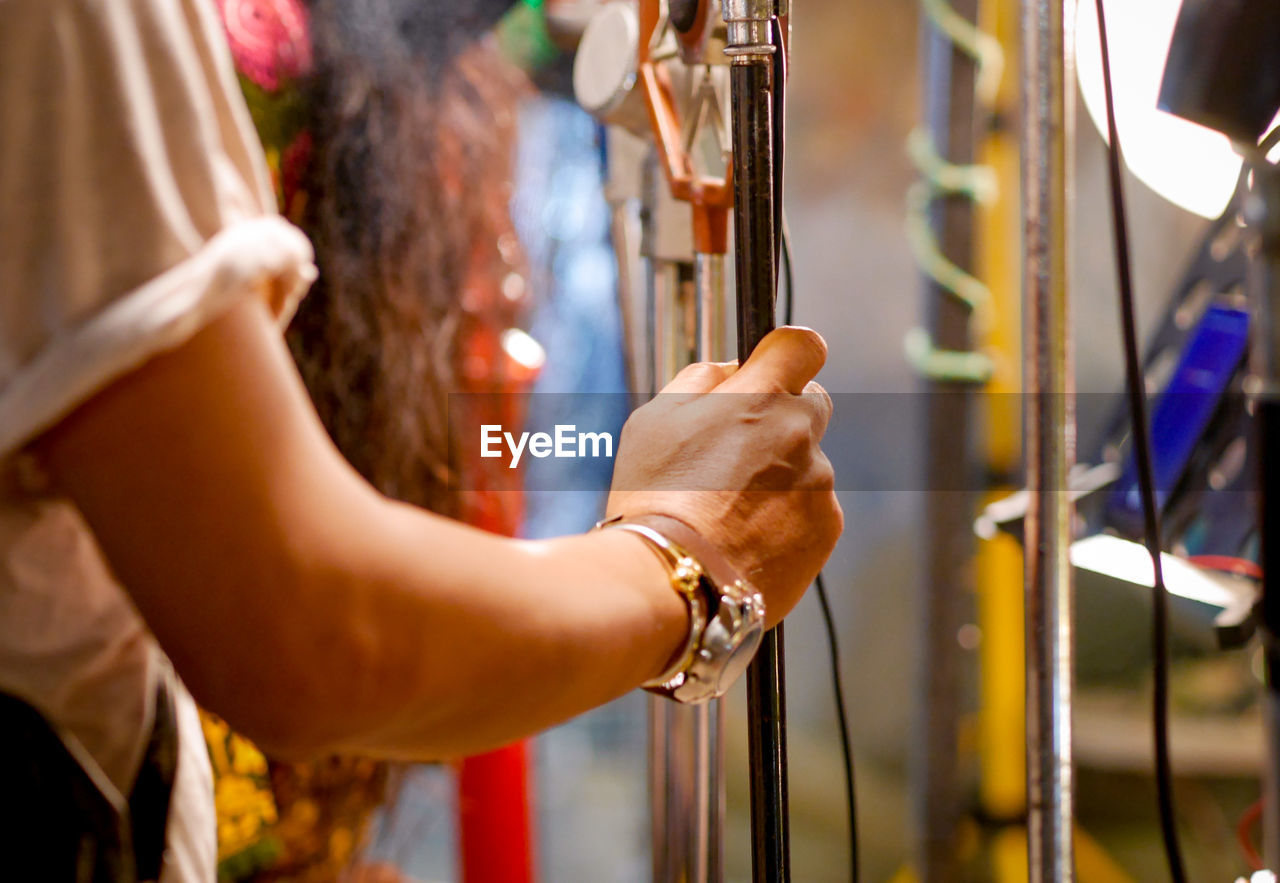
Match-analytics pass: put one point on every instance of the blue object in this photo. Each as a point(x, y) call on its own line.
point(1180, 416)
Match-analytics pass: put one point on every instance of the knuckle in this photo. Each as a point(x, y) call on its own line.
point(820, 402)
point(757, 404)
point(836, 520)
point(705, 372)
point(819, 393)
point(797, 432)
point(633, 425)
point(824, 474)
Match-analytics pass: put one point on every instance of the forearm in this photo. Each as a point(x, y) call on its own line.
point(455, 640)
point(368, 626)
point(312, 612)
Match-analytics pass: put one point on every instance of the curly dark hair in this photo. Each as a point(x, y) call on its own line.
point(414, 127)
point(407, 204)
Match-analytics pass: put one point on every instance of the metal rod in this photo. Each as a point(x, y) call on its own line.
point(700, 829)
point(709, 283)
point(1267, 420)
point(679, 758)
point(636, 371)
point(751, 100)
point(1047, 63)
point(752, 85)
point(658, 797)
point(716, 789)
point(1263, 211)
point(946, 579)
point(708, 275)
point(687, 300)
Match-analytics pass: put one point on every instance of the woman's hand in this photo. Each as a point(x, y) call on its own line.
point(734, 454)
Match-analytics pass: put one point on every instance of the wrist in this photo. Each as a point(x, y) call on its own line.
point(666, 617)
point(686, 536)
point(726, 615)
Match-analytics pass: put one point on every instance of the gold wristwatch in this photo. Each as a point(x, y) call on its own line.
point(726, 614)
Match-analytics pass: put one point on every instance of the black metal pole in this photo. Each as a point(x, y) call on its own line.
point(1263, 211)
point(752, 86)
point(1267, 420)
point(755, 238)
point(949, 473)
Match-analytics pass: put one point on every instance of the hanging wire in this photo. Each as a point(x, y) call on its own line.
point(846, 745)
point(1135, 389)
point(940, 178)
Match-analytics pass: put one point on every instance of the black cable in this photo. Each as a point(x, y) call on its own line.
point(850, 798)
point(824, 601)
point(1146, 481)
point(788, 278)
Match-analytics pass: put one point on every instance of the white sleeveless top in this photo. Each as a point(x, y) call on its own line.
point(135, 206)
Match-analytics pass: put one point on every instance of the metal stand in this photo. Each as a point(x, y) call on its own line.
point(751, 45)
point(686, 745)
point(1263, 215)
point(656, 70)
point(685, 749)
point(1047, 64)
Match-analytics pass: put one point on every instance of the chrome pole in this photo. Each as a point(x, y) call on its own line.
point(683, 321)
point(677, 780)
point(1049, 431)
point(686, 780)
point(709, 283)
point(708, 272)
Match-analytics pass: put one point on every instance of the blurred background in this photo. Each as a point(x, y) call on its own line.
point(855, 94)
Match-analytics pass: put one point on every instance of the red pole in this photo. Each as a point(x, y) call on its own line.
point(494, 831)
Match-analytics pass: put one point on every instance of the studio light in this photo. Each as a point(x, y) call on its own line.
point(1192, 166)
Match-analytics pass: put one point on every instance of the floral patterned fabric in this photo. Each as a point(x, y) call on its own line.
point(271, 46)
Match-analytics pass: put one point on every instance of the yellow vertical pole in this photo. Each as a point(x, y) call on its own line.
point(1001, 730)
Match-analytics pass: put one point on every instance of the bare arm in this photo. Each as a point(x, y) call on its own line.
point(314, 613)
point(311, 611)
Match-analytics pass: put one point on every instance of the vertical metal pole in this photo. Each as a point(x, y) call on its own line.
point(708, 274)
point(1263, 210)
point(678, 759)
point(687, 303)
point(1049, 419)
point(946, 583)
point(751, 47)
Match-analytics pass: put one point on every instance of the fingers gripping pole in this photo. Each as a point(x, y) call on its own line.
point(754, 88)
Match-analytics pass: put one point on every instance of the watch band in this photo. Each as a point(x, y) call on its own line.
point(713, 562)
point(726, 614)
point(686, 574)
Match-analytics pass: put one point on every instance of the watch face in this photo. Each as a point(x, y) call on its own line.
point(739, 658)
point(728, 644)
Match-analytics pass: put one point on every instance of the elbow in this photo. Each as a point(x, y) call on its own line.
point(289, 743)
point(275, 710)
point(299, 688)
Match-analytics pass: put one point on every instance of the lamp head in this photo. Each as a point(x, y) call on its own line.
point(1223, 69)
